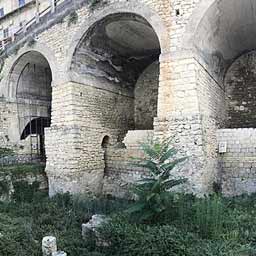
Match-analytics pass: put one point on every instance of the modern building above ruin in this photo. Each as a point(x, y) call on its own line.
point(15, 15)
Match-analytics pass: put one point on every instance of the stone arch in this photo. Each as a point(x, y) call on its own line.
point(193, 23)
point(30, 88)
point(219, 32)
point(105, 145)
point(112, 55)
point(129, 7)
point(105, 141)
point(221, 35)
point(13, 69)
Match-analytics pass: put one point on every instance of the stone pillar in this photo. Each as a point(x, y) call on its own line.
point(74, 162)
point(165, 90)
point(180, 117)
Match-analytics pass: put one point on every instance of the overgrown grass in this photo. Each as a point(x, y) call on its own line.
point(6, 152)
point(190, 227)
point(24, 223)
point(23, 169)
point(212, 226)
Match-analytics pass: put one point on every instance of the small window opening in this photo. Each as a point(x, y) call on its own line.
point(105, 142)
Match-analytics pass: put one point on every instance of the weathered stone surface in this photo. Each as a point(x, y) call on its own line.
point(103, 85)
point(237, 166)
point(240, 82)
point(49, 245)
point(59, 253)
point(89, 230)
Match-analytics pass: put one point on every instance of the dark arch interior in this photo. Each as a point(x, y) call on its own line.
point(105, 142)
point(36, 126)
point(224, 42)
point(115, 52)
point(118, 48)
point(226, 31)
point(33, 92)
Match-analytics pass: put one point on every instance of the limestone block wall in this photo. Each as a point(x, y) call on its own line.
point(11, 127)
point(238, 164)
point(187, 134)
point(212, 106)
point(121, 171)
point(83, 114)
point(145, 97)
point(4, 122)
point(181, 13)
point(240, 83)
point(88, 114)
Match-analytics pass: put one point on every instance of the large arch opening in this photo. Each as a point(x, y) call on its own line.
point(225, 46)
point(223, 39)
point(32, 78)
point(120, 54)
point(115, 74)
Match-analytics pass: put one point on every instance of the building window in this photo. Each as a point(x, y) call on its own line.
point(21, 3)
point(1, 12)
point(6, 32)
point(1, 35)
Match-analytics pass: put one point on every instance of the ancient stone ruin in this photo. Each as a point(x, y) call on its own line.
point(85, 82)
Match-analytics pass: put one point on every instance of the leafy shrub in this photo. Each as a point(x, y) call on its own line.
point(93, 4)
point(73, 18)
point(153, 193)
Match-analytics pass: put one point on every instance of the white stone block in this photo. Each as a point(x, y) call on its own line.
point(49, 245)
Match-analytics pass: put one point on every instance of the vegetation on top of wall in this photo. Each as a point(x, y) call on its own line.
point(94, 4)
point(31, 41)
point(72, 18)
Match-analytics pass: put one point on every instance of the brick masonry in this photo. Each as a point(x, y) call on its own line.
point(238, 164)
point(240, 83)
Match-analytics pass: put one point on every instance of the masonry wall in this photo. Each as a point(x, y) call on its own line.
point(91, 114)
point(8, 124)
point(238, 163)
point(145, 98)
point(78, 160)
point(187, 135)
point(212, 106)
point(10, 129)
point(240, 84)
point(4, 122)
